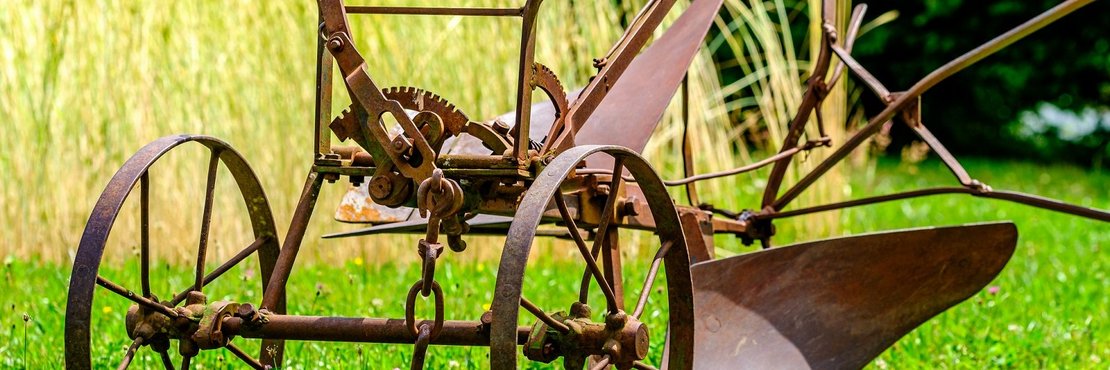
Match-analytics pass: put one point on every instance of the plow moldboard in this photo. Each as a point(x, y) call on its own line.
point(838, 303)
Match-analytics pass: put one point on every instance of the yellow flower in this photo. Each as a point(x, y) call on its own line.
point(106, 310)
point(358, 261)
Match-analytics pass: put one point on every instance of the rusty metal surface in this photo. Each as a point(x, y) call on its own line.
point(360, 329)
point(648, 85)
point(357, 206)
point(511, 271)
point(827, 304)
point(84, 277)
point(838, 303)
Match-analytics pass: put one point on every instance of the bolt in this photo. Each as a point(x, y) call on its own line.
point(613, 348)
point(501, 127)
point(246, 311)
point(335, 44)
point(579, 309)
point(400, 145)
point(630, 207)
point(615, 321)
point(380, 187)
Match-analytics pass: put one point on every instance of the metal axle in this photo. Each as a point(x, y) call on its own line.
point(359, 329)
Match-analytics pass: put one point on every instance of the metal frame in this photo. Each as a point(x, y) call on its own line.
point(536, 186)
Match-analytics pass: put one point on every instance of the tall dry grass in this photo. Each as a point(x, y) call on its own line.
point(85, 83)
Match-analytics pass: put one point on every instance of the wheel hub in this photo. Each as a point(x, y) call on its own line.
point(622, 337)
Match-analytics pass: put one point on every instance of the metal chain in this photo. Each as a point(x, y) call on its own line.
point(436, 198)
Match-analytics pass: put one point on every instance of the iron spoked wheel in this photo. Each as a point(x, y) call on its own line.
point(154, 322)
point(580, 339)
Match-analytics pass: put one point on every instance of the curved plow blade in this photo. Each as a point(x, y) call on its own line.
point(838, 303)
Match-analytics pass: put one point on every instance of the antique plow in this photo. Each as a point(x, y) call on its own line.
point(569, 168)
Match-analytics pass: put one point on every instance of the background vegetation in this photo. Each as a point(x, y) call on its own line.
point(85, 83)
point(1045, 98)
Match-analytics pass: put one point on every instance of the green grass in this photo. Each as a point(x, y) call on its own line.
point(1051, 308)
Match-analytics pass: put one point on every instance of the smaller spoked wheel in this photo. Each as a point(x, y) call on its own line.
point(614, 331)
point(116, 313)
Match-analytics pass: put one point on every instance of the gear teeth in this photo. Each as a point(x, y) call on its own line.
point(547, 81)
point(414, 98)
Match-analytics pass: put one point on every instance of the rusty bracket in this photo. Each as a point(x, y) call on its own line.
point(412, 155)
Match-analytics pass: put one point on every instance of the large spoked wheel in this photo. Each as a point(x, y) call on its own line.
point(609, 333)
point(183, 317)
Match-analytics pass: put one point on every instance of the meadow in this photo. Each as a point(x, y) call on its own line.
point(85, 83)
point(1049, 308)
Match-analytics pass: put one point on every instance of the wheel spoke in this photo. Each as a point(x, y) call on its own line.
point(543, 316)
point(591, 263)
point(142, 301)
point(642, 366)
point(239, 257)
point(186, 362)
point(144, 233)
point(206, 220)
point(649, 281)
point(123, 364)
point(166, 361)
point(603, 231)
point(244, 356)
point(611, 265)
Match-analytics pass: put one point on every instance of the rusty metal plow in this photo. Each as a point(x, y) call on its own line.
point(568, 168)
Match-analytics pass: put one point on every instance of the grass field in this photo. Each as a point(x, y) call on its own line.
point(1050, 307)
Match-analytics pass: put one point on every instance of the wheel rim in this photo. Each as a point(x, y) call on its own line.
point(85, 274)
point(507, 294)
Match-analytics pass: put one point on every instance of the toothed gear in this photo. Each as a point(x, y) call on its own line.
point(546, 80)
point(420, 100)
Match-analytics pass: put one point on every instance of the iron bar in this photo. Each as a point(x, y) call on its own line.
point(524, 80)
point(367, 330)
point(543, 316)
point(708, 176)
point(322, 116)
point(649, 281)
point(238, 352)
point(167, 363)
point(914, 121)
point(206, 218)
point(142, 301)
point(867, 201)
point(849, 40)
point(862, 73)
point(612, 266)
point(813, 94)
point(930, 80)
point(1016, 197)
point(144, 232)
point(602, 235)
point(687, 146)
point(411, 10)
point(640, 365)
point(126, 361)
point(239, 257)
point(275, 289)
point(185, 362)
point(591, 263)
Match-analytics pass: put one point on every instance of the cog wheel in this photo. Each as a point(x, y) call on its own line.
point(420, 100)
point(545, 80)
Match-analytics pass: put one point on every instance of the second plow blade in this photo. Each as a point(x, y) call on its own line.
point(838, 303)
